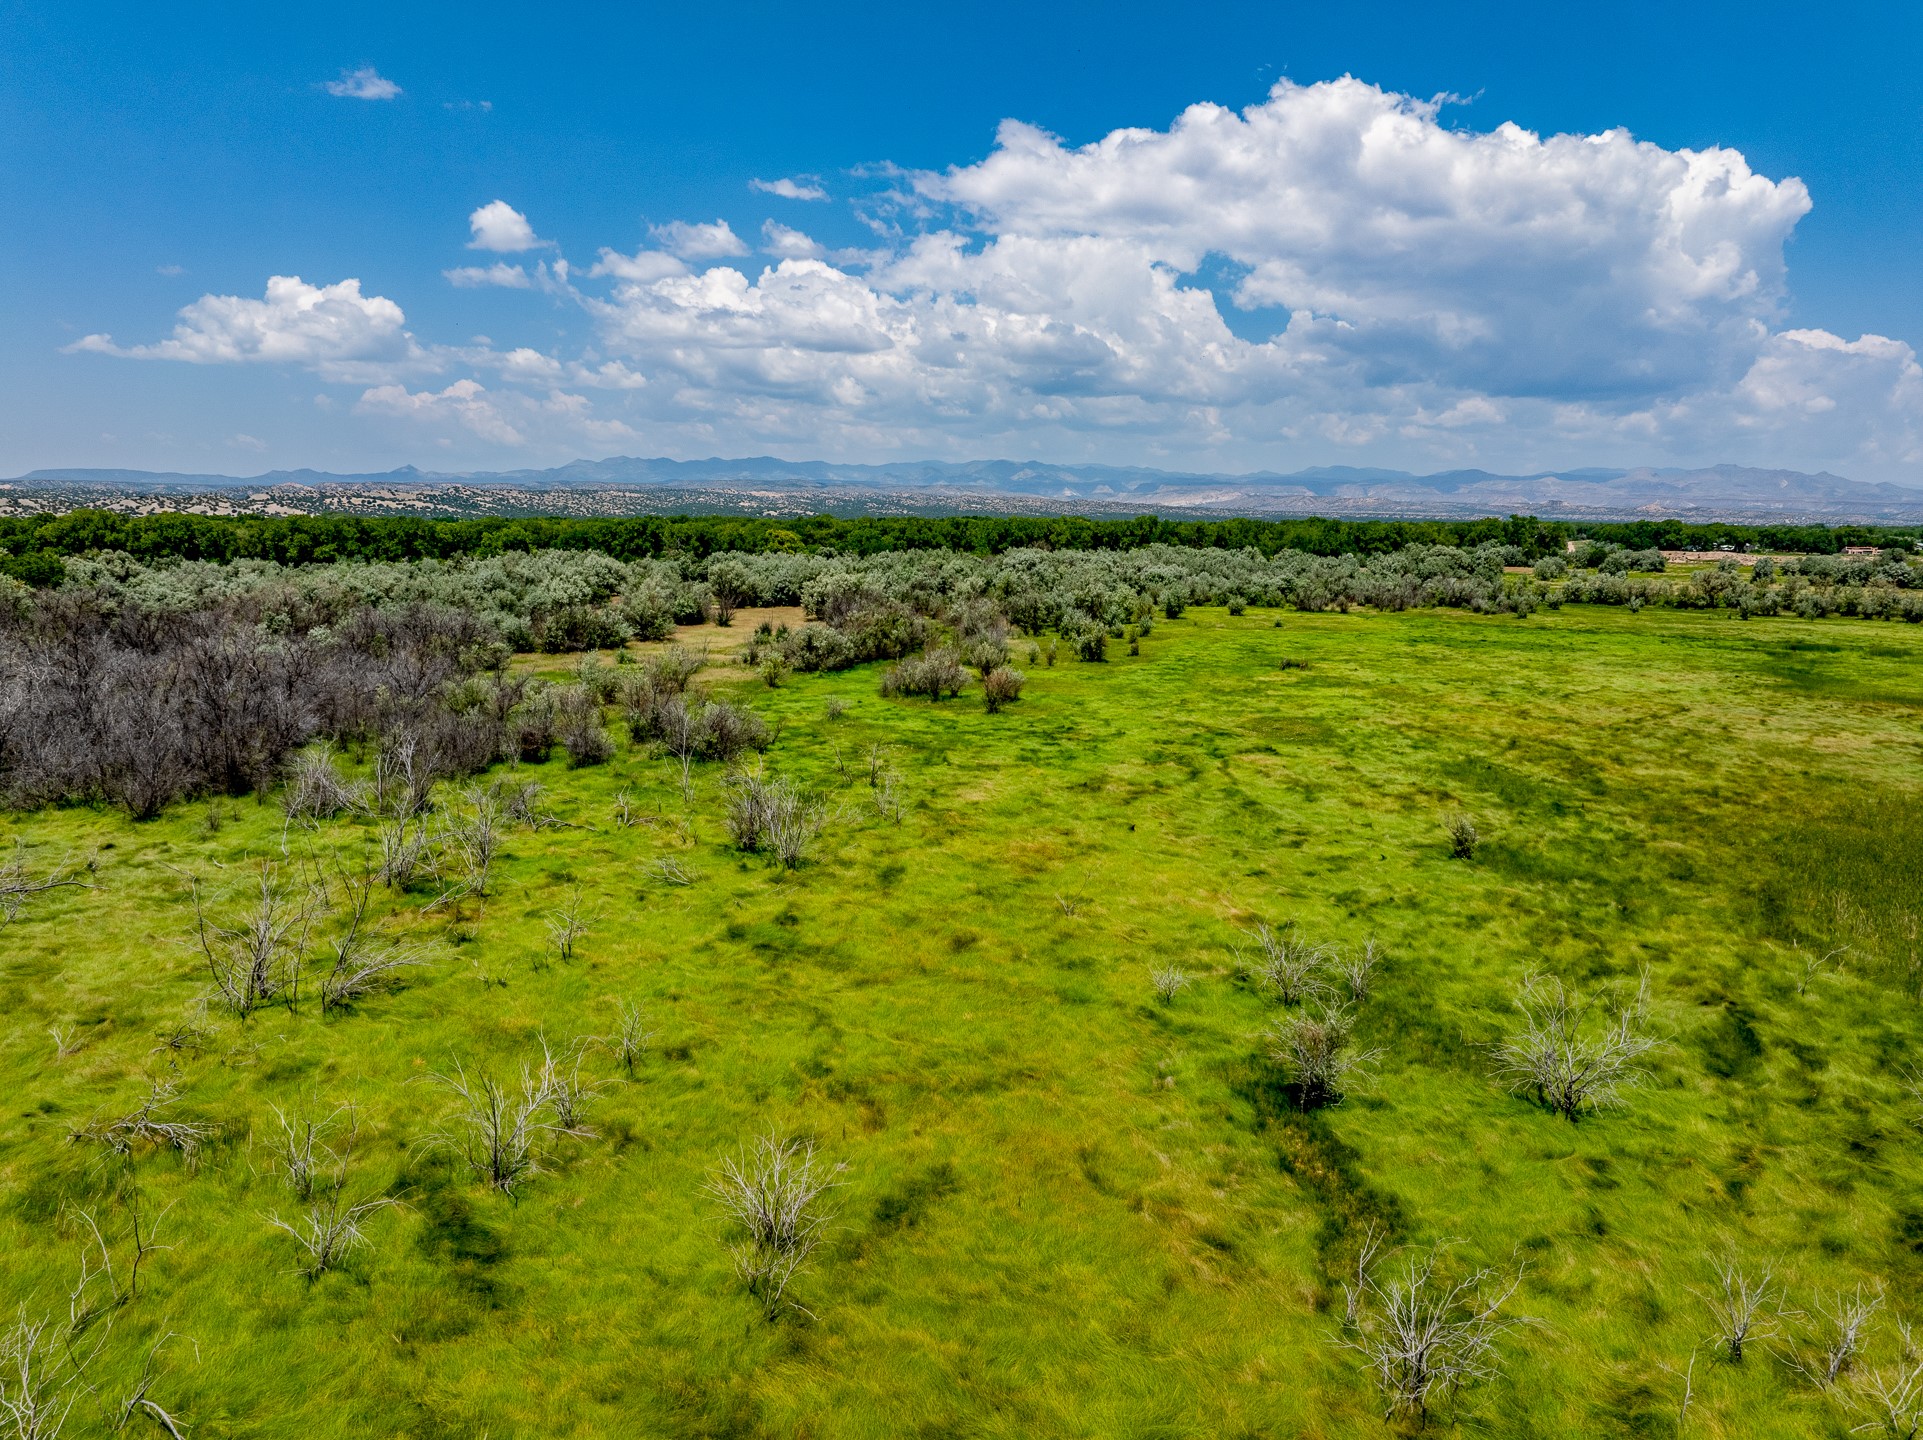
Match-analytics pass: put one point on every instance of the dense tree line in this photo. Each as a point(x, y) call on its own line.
point(35, 546)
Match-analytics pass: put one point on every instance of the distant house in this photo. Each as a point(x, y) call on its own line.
point(1862, 549)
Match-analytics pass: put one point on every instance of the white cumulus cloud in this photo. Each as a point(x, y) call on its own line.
point(714, 241)
point(366, 83)
point(787, 243)
point(465, 402)
point(804, 188)
point(498, 226)
point(331, 328)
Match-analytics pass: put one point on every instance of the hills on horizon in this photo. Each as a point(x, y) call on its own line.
point(625, 484)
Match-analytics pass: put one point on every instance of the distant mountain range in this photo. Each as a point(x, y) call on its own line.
point(623, 485)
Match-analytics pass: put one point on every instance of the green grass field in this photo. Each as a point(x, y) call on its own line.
point(1068, 1210)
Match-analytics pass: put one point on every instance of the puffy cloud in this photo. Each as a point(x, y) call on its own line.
point(1432, 294)
point(330, 328)
point(500, 273)
point(465, 402)
point(789, 244)
point(498, 226)
point(365, 83)
point(805, 188)
point(699, 242)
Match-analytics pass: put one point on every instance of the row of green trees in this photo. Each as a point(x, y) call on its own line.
point(32, 547)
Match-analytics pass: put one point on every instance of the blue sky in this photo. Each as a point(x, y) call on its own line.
point(1327, 272)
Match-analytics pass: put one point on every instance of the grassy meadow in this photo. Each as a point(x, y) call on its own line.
point(1068, 1209)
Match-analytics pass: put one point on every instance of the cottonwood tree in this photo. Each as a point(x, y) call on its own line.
point(1568, 1063)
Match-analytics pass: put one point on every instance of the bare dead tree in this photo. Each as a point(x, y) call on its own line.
point(148, 1123)
point(1285, 963)
point(305, 1159)
point(362, 963)
point(138, 1400)
point(568, 1094)
point(468, 843)
point(1742, 1309)
point(887, 798)
point(1889, 1398)
point(670, 871)
point(1568, 1065)
point(403, 781)
point(1833, 1335)
point(18, 883)
point(566, 924)
point(1168, 982)
point(316, 790)
point(329, 1230)
point(258, 960)
point(1316, 1048)
point(1424, 1338)
point(37, 1381)
point(410, 850)
point(632, 1037)
point(772, 1190)
point(1357, 971)
point(498, 1132)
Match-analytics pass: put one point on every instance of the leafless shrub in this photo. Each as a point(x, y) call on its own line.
point(632, 1037)
point(670, 871)
point(1316, 1048)
point(566, 924)
point(148, 1123)
point(625, 815)
point(1814, 965)
point(470, 840)
point(301, 1152)
point(1463, 836)
point(1566, 1068)
point(102, 1288)
point(795, 821)
point(329, 1230)
point(37, 1381)
point(190, 1032)
point(1742, 1309)
point(138, 1401)
point(747, 800)
point(519, 801)
point(316, 790)
point(1832, 1339)
point(403, 782)
point(568, 1094)
point(887, 799)
point(877, 764)
point(18, 883)
point(1168, 982)
point(64, 1044)
point(498, 1132)
point(1286, 963)
point(410, 851)
point(1357, 971)
point(363, 964)
point(773, 1191)
point(258, 960)
point(836, 707)
point(1889, 1398)
point(1001, 686)
point(1424, 1338)
point(1069, 907)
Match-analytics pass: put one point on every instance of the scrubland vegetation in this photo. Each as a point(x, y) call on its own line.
point(1162, 991)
